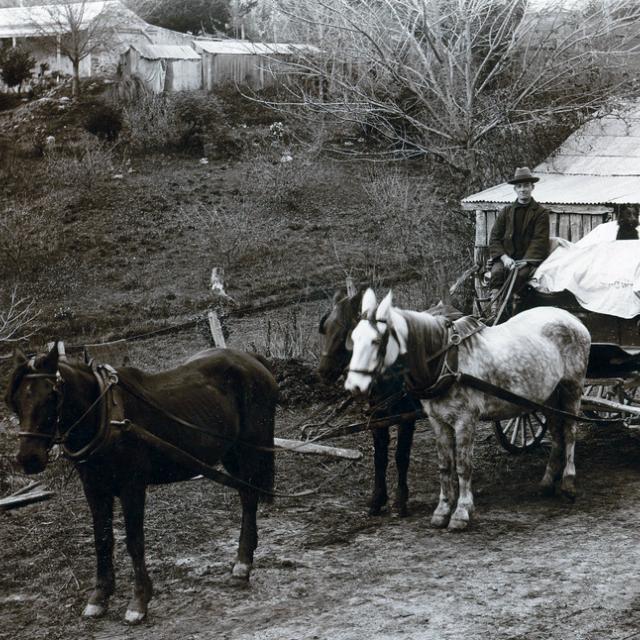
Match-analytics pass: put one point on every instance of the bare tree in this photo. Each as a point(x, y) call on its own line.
point(451, 78)
point(17, 319)
point(80, 28)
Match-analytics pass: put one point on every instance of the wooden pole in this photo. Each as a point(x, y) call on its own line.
point(216, 330)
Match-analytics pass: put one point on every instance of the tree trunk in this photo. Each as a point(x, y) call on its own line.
point(75, 87)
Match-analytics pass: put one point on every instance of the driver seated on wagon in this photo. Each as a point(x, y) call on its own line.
point(519, 238)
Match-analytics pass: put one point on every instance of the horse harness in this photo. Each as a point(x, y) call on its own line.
point(447, 356)
point(113, 424)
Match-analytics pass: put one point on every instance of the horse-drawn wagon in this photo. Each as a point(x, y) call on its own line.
point(613, 373)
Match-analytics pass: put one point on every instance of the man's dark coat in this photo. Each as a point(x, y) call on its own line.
point(535, 230)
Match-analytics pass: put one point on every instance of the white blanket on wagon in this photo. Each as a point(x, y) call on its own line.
point(601, 272)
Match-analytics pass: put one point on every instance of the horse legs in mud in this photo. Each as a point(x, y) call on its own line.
point(101, 504)
point(464, 434)
point(379, 496)
point(132, 499)
point(446, 448)
point(243, 464)
point(403, 457)
point(561, 465)
point(248, 538)
point(380, 460)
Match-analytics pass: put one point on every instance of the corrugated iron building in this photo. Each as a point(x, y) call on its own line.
point(256, 64)
point(596, 169)
point(164, 67)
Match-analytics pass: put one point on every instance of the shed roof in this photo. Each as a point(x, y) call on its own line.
point(599, 163)
point(244, 47)
point(23, 22)
point(165, 52)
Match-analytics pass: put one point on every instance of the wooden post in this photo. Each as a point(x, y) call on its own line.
point(351, 288)
point(216, 330)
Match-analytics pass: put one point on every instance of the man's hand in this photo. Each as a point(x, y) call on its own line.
point(507, 261)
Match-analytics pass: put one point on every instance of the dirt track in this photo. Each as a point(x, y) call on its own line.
point(529, 568)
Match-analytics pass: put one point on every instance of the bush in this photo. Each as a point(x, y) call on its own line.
point(104, 121)
point(79, 165)
point(17, 66)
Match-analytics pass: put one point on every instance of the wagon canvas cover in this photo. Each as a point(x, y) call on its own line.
point(601, 272)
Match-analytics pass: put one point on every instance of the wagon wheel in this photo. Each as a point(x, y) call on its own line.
point(523, 433)
point(615, 391)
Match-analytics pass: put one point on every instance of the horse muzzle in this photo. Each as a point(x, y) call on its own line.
point(32, 458)
point(357, 384)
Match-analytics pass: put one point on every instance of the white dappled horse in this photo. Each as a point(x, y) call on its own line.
point(540, 354)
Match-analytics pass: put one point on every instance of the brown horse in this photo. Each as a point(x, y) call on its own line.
point(336, 327)
point(217, 407)
point(540, 354)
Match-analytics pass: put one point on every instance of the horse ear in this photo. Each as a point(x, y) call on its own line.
point(50, 361)
point(384, 310)
point(369, 304)
point(349, 342)
point(321, 328)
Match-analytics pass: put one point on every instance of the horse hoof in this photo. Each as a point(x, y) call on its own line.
point(458, 524)
point(94, 611)
point(240, 574)
point(568, 488)
point(134, 617)
point(402, 510)
point(439, 522)
point(547, 490)
point(375, 510)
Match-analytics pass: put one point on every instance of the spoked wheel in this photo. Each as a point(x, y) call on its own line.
point(615, 391)
point(522, 433)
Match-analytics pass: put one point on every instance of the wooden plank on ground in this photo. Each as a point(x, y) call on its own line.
point(298, 446)
point(23, 499)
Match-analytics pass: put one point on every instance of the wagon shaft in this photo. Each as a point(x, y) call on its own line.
point(600, 404)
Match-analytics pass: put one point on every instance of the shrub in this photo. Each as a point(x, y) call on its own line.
point(104, 121)
point(17, 66)
point(79, 165)
point(28, 237)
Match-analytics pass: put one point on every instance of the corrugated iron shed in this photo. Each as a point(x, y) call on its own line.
point(24, 22)
point(598, 164)
point(166, 52)
point(244, 47)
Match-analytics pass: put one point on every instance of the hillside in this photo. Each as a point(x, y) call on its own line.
point(107, 241)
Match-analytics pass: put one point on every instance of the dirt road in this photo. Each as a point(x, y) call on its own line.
point(529, 568)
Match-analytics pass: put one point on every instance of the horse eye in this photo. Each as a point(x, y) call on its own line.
point(376, 342)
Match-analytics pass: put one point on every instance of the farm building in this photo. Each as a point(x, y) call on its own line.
point(164, 67)
point(256, 64)
point(582, 183)
point(41, 30)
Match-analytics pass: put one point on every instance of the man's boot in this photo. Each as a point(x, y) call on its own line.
point(496, 302)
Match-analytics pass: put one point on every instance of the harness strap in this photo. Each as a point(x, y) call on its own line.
point(185, 459)
point(503, 394)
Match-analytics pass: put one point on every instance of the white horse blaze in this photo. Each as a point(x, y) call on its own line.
point(364, 357)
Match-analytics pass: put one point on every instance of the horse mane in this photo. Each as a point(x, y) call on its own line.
point(425, 336)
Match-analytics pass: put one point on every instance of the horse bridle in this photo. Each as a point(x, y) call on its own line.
point(106, 380)
point(383, 336)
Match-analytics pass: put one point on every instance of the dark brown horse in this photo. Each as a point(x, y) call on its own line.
point(336, 327)
point(217, 407)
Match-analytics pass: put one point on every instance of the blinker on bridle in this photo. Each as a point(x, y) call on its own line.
point(55, 437)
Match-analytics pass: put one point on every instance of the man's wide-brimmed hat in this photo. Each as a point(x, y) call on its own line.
point(523, 174)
